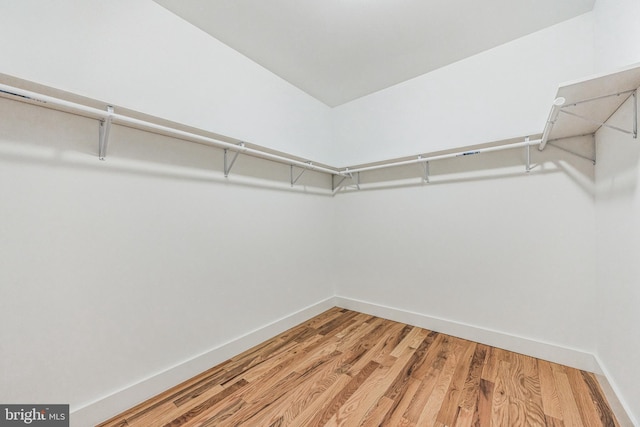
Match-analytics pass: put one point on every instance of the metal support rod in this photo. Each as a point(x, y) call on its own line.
point(528, 167)
point(228, 165)
point(597, 98)
point(294, 180)
point(572, 152)
point(335, 186)
point(358, 180)
point(442, 156)
point(105, 128)
point(50, 102)
point(551, 121)
point(635, 114)
point(425, 166)
point(596, 122)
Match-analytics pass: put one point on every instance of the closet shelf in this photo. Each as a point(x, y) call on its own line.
point(107, 115)
point(582, 107)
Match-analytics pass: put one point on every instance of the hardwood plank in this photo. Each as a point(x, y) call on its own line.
point(553, 422)
point(394, 417)
point(484, 412)
point(204, 406)
point(450, 404)
point(464, 417)
point(311, 385)
point(343, 395)
point(500, 403)
point(430, 411)
point(588, 412)
point(357, 407)
point(550, 400)
point(526, 389)
point(347, 368)
point(597, 397)
point(471, 390)
point(434, 360)
point(494, 357)
point(402, 381)
point(304, 417)
point(222, 415)
point(421, 397)
point(377, 413)
point(570, 413)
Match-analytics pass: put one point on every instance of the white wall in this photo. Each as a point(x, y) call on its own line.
point(141, 56)
point(136, 54)
point(114, 271)
point(483, 244)
point(618, 246)
point(153, 243)
point(617, 34)
point(502, 93)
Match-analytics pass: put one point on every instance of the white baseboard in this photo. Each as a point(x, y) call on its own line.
point(546, 351)
point(618, 405)
point(119, 401)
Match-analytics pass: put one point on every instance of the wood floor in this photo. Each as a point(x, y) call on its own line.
point(344, 368)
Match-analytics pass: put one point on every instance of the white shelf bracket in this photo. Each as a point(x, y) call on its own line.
point(358, 180)
point(528, 148)
point(551, 121)
point(229, 164)
point(296, 178)
point(425, 167)
point(346, 174)
point(635, 114)
point(582, 156)
point(334, 185)
point(599, 123)
point(104, 130)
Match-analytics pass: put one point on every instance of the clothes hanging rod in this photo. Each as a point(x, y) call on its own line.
point(109, 115)
point(422, 159)
point(551, 121)
point(137, 123)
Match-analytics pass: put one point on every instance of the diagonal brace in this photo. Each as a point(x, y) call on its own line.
point(104, 130)
point(599, 123)
point(296, 178)
point(229, 164)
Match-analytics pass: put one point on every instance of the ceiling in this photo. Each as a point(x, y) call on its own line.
point(340, 50)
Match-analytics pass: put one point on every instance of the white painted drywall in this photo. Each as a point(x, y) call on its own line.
point(617, 37)
point(483, 244)
point(114, 271)
point(617, 34)
point(618, 247)
point(136, 54)
point(502, 93)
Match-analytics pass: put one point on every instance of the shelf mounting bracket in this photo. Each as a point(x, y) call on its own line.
point(528, 167)
point(582, 156)
point(425, 166)
point(229, 164)
point(633, 132)
point(635, 114)
point(104, 130)
point(296, 178)
point(346, 174)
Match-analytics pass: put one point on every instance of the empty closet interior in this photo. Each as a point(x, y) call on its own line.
point(167, 203)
